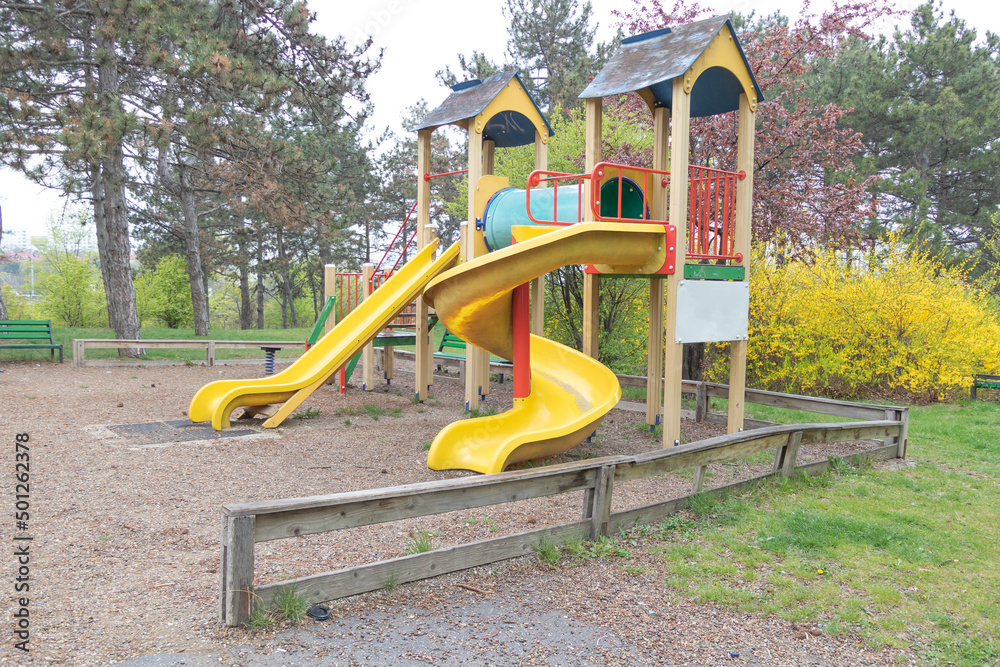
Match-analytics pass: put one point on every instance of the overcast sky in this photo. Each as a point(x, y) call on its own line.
point(421, 37)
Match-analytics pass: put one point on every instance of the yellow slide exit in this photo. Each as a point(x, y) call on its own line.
point(570, 392)
point(216, 401)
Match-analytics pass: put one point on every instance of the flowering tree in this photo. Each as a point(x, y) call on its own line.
point(804, 190)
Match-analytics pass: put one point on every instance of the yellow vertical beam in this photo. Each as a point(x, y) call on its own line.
point(591, 281)
point(538, 284)
point(680, 138)
point(473, 355)
point(329, 289)
point(423, 377)
point(744, 214)
point(654, 355)
point(483, 365)
point(368, 355)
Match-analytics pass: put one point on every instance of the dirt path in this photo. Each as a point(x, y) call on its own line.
point(125, 498)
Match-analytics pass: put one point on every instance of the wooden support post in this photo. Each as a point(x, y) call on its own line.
point(698, 482)
point(236, 569)
point(538, 306)
point(538, 284)
point(701, 402)
point(654, 355)
point(901, 415)
point(368, 355)
point(592, 281)
point(430, 232)
point(475, 358)
point(483, 364)
point(659, 211)
point(423, 375)
point(597, 502)
point(387, 364)
point(741, 236)
point(904, 429)
point(786, 455)
point(330, 290)
point(680, 138)
point(210, 353)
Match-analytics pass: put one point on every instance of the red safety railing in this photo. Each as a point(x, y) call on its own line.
point(650, 178)
point(349, 288)
point(711, 203)
point(711, 214)
point(538, 177)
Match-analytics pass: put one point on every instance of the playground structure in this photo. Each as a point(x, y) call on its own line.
point(618, 220)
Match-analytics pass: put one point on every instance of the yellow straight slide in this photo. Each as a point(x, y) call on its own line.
point(216, 401)
point(570, 392)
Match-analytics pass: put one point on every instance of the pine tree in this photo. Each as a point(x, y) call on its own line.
point(927, 102)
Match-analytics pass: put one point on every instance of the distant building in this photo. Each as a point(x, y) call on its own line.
point(15, 239)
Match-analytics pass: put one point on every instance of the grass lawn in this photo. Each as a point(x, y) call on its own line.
point(905, 557)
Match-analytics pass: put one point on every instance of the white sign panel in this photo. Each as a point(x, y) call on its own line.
point(712, 311)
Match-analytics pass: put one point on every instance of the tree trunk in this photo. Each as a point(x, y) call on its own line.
point(3, 306)
point(284, 309)
point(246, 305)
point(112, 223)
point(260, 281)
point(192, 255)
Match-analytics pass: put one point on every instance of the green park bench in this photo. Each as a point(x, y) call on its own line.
point(982, 381)
point(450, 340)
point(35, 331)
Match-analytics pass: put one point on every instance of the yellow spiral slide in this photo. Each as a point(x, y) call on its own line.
point(570, 392)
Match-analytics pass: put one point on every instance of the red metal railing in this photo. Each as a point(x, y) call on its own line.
point(538, 177)
point(711, 214)
point(711, 203)
point(651, 178)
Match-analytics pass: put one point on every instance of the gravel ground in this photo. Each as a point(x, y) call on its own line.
point(125, 498)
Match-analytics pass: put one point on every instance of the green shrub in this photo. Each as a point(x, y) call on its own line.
point(72, 291)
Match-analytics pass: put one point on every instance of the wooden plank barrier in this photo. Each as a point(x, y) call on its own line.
point(245, 524)
point(81, 345)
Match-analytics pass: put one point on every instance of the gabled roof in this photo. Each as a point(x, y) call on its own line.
point(652, 60)
point(470, 98)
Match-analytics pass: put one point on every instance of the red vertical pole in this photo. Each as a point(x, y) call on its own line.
point(522, 342)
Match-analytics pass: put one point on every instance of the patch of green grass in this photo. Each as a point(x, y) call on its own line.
point(633, 393)
point(547, 551)
point(427, 445)
point(901, 556)
point(290, 605)
point(486, 411)
point(602, 548)
point(372, 410)
point(287, 605)
point(308, 413)
point(376, 411)
point(485, 520)
point(347, 422)
point(420, 543)
point(391, 581)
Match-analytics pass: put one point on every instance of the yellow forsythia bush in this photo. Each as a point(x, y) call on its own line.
point(898, 323)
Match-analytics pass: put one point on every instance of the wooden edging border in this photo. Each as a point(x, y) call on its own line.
point(245, 524)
